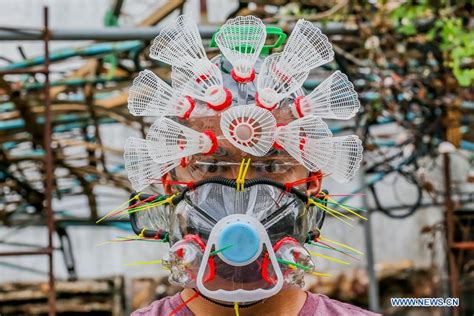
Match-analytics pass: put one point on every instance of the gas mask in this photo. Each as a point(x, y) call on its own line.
point(237, 240)
point(234, 245)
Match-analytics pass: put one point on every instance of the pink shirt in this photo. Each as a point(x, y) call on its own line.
point(315, 305)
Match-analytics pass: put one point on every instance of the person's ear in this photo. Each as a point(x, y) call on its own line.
point(314, 186)
point(166, 184)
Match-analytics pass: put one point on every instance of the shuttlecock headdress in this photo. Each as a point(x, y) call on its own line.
point(198, 89)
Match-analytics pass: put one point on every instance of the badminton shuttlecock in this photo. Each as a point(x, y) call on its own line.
point(334, 98)
point(202, 81)
point(241, 40)
point(151, 96)
point(142, 170)
point(249, 128)
point(307, 47)
point(276, 81)
point(169, 141)
point(178, 43)
point(341, 156)
point(309, 141)
point(293, 136)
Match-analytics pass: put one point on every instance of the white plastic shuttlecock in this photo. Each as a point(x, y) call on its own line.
point(178, 42)
point(276, 81)
point(341, 156)
point(151, 96)
point(307, 47)
point(241, 40)
point(142, 170)
point(294, 136)
point(309, 141)
point(249, 128)
point(168, 141)
point(334, 98)
point(202, 81)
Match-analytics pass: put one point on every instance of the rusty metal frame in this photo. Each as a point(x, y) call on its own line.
point(49, 168)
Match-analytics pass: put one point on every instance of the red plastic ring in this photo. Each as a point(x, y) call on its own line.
point(275, 144)
point(192, 105)
point(298, 106)
point(258, 103)
point(227, 102)
point(213, 139)
point(243, 80)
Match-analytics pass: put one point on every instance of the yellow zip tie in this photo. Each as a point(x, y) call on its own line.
point(311, 272)
point(320, 274)
point(328, 257)
point(168, 200)
point(345, 208)
point(143, 262)
point(244, 167)
point(142, 233)
point(126, 203)
point(330, 211)
point(236, 309)
point(341, 244)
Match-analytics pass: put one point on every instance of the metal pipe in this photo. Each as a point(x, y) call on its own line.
point(449, 222)
point(49, 168)
point(374, 301)
point(145, 33)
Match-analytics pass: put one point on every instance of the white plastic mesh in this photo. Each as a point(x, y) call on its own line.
point(338, 156)
point(202, 81)
point(307, 47)
point(334, 98)
point(249, 128)
point(168, 140)
point(151, 96)
point(277, 80)
point(241, 40)
point(141, 169)
point(294, 138)
point(177, 42)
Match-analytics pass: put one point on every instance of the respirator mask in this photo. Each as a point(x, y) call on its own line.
point(234, 245)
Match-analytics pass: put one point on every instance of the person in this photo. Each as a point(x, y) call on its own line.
point(242, 177)
point(288, 301)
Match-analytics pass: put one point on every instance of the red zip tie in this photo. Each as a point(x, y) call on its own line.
point(210, 261)
point(190, 185)
point(227, 102)
point(290, 185)
point(243, 80)
point(266, 259)
point(182, 305)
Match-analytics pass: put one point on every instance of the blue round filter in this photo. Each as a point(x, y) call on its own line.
point(244, 242)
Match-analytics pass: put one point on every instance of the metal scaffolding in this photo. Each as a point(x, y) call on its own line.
point(49, 167)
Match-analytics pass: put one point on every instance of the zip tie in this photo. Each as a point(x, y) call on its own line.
point(236, 308)
point(182, 305)
point(330, 211)
point(142, 233)
point(345, 208)
point(143, 262)
point(215, 252)
point(341, 244)
point(328, 257)
point(118, 207)
point(240, 181)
